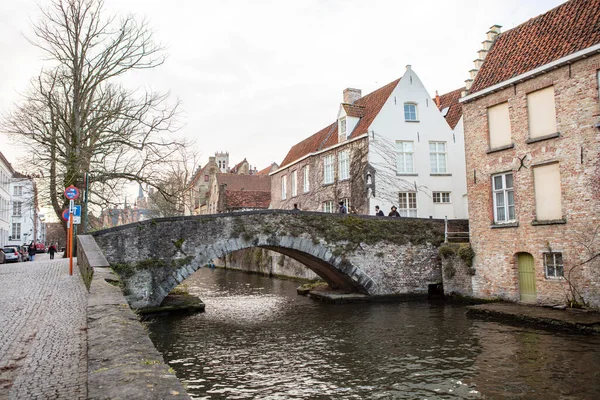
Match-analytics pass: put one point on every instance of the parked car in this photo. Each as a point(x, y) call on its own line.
point(24, 253)
point(11, 254)
point(2, 256)
point(40, 248)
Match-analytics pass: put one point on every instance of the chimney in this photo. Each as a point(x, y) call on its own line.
point(351, 95)
point(437, 99)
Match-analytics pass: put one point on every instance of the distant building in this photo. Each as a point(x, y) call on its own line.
point(230, 192)
point(200, 198)
point(26, 223)
point(391, 147)
point(532, 121)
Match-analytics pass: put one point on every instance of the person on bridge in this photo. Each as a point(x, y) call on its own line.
point(378, 212)
point(31, 250)
point(343, 209)
point(394, 212)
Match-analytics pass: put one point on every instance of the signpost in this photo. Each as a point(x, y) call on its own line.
point(72, 216)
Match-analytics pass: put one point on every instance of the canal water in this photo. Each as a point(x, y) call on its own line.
point(259, 340)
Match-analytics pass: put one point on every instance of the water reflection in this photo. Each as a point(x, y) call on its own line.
point(259, 340)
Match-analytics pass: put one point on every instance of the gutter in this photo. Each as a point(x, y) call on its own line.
point(534, 72)
point(364, 135)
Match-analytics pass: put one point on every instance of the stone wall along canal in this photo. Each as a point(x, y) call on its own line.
point(259, 340)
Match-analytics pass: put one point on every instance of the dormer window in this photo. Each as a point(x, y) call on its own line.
point(410, 112)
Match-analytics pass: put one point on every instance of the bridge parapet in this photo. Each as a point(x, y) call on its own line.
point(371, 255)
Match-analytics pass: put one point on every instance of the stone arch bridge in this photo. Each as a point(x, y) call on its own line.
point(370, 255)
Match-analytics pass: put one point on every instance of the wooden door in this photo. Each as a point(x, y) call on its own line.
point(526, 278)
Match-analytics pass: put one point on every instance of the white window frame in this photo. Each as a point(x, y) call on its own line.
point(441, 197)
point(405, 201)
point(405, 156)
point(344, 164)
point(408, 114)
point(17, 208)
point(284, 187)
point(306, 183)
point(18, 191)
point(16, 231)
point(551, 264)
point(293, 183)
point(438, 158)
point(505, 194)
point(328, 169)
point(328, 206)
point(343, 126)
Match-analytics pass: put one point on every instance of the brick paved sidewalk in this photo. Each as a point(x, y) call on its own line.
point(43, 340)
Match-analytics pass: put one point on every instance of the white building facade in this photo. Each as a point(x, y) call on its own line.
point(25, 224)
point(428, 178)
point(6, 173)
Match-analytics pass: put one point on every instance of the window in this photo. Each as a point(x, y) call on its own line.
point(346, 203)
point(598, 72)
point(407, 206)
point(553, 264)
point(283, 187)
point(410, 112)
point(205, 178)
point(328, 207)
point(441, 197)
point(437, 157)
point(342, 127)
point(16, 231)
point(499, 126)
point(344, 164)
point(18, 191)
point(504, 198)
point(541, 113)
point(306, 183)
point(546, 183)
point(293, 183)
point(17, 205)
point(328, 169)
point(405, 161)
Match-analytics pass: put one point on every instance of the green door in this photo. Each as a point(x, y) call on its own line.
point(526, 278)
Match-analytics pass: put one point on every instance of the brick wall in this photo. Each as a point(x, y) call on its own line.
point(577, 150)
point(353, 188)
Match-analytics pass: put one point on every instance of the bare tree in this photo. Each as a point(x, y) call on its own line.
point(77, 119)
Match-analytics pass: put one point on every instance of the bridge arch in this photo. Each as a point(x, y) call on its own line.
point(360, 254)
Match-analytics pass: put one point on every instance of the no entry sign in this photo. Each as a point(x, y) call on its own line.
point(71, 192)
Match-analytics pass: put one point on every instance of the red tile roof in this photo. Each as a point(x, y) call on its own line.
point(266, 171)
point(246, 199)
point(328, 137)
point(234, 182)
point(450, 100)
point(353, 110)
point(564, 30)
point(237, 166)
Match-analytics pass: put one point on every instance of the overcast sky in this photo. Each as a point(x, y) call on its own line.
point(256, 77)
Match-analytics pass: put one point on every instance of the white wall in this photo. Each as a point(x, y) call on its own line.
point(5, 175)
point(390, 126)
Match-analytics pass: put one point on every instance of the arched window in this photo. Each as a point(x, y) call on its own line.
point(410, 112)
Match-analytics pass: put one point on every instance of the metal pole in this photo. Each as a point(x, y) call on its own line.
point(85, 202)
point(446, 229)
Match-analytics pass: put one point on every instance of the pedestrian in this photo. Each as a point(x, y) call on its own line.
point(31, 250)
point(51, 251)
point(343, 209)
point(295, 207)
point(394, 212)
point(378, 212)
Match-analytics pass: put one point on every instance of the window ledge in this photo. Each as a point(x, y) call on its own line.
point(403, 174)
point(542, 138)
point(557, 279)
point(440, 174)
point(549, 222)
point(506, 225)
point(508, 146)
point(411, 120)
point(327, 184)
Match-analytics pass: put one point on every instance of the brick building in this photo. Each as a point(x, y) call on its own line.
point(390, 147)
point(532, 119)
point(231, 192)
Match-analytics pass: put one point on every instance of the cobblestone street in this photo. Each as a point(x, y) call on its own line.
point(43, 339)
